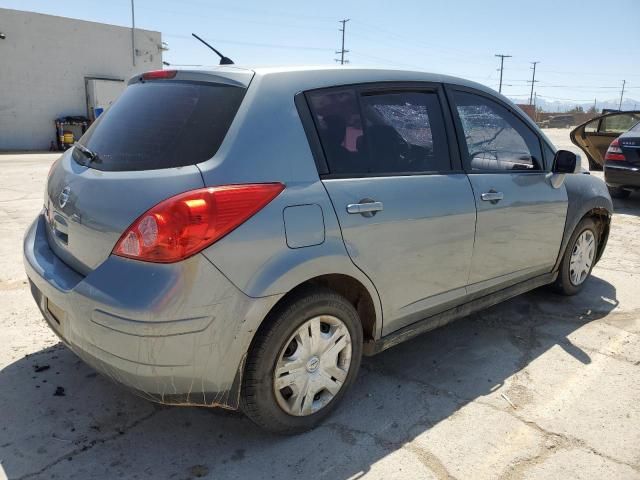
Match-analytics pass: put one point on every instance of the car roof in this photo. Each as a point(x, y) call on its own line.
point(294, 79)
point(323, 75)
point(341, 73)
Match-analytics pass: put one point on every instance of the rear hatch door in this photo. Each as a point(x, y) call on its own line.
point(141, 151)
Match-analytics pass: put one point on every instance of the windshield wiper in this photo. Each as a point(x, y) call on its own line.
point(90, 154)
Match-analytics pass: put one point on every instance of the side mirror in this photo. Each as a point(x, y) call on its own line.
point(564, 162)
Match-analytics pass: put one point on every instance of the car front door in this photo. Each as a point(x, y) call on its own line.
point(521, 214)
point(407, 217)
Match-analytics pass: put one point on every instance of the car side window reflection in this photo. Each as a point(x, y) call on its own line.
point(496, 140)
point(381, 133)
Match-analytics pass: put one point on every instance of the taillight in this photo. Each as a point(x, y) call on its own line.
point(159, 74)
point(614, 152)
point(185, 224)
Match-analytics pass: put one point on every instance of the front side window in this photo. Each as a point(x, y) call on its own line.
point(382, 133)
point(496, 140)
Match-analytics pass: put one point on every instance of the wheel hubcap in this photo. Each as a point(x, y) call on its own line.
point(312, 365)
point(582, 257)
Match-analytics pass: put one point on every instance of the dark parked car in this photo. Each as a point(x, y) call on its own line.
point(622, 163)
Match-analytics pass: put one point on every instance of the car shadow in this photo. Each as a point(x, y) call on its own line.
point(61, 419)
point(627, 206)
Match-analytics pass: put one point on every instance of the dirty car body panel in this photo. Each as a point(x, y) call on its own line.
point(179, 332)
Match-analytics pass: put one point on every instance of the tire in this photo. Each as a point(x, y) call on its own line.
point(565, 284)
point(617, 192)
point(280, 340)
point(594, 166)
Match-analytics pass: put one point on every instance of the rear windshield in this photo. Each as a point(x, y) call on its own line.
point(160, 124)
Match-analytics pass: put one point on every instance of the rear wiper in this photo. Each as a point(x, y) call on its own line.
point(90, 154)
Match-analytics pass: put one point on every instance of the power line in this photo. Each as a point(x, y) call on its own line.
point(502, 57)
point(342, 50)
point(384, 61)
point(255, 44)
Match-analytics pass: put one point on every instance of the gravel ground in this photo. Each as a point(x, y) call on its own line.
point(539, 387)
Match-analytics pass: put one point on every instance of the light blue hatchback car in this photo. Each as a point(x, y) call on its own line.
point(240, 238)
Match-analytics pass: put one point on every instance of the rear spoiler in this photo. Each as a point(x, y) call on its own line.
point(232, 76)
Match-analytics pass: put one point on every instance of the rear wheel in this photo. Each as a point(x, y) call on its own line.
point(302, 362)
point(578, 258)
point(618, 192)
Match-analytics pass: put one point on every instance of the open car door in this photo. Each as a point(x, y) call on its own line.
point(595, 136)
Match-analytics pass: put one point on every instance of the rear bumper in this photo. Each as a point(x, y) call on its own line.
point(623, 175)
point(175, 333)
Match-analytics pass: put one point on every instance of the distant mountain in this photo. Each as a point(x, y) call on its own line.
point(559, 106)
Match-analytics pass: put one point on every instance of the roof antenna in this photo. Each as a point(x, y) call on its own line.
point(223, 60)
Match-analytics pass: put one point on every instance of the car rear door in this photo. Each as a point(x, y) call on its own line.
point(521, 214)
point(595, 136)
point(407, 216)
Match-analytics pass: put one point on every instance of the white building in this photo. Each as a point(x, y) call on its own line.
point(52, 67)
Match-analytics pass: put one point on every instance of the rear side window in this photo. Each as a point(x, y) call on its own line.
point(619, 123)
point(381, 133)
point(592, 126)
point(161, 125)
point(495, 138)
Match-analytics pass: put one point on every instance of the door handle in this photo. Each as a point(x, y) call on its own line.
point(366, 208)
point(492, 196)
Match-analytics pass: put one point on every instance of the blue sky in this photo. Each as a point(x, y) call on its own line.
point(585, 50)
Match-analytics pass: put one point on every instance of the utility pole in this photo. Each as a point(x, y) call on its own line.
point(535, 109)
point(502, 57)
point(342, 50)
point(622, 94)
point(533, 81)
point(133, 29)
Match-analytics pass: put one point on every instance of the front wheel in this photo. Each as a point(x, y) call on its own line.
point(302, 362)
point(578, 258)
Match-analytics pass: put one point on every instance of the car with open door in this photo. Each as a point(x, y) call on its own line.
point(595, 136)
point(240, 237)
point(622, 163)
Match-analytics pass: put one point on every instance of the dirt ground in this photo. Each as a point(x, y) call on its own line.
point(541, 386)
